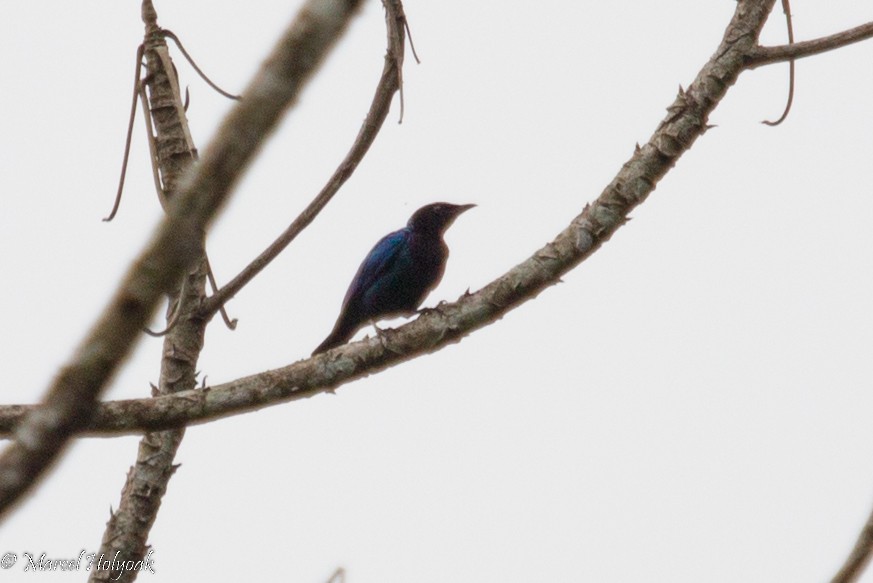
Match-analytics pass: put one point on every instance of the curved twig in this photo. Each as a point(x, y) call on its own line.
point(411, 44)
point(859, 558)
point(129, 137)
point(786, 9)
point(70, 401)
point(128, 528)
point(395, 16)
point(171, 322)
point(685, 122)
point(170, 34)
point(230, 323)
point(389, 83)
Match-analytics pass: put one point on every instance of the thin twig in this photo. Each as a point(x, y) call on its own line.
point(389, 83)
point(71, 399)
point(685, 122)
point(160, 189)
point(129, 136)
point(172, 35)
point(859, 558)
point(786, 9)
point(230, 323)
point(411, 44)
point(397, 28)
point(127, 531)
point(171, 320)
point(768, 55)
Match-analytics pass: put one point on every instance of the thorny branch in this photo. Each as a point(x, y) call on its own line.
point(128, 528)
point(71, 399)
point(685, 122)
point(58, 416)
point(164, 102)
point(390, 82)
point(155, 36)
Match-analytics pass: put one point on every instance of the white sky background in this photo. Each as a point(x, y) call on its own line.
point(693, 402)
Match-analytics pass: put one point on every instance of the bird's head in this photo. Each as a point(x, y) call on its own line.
point(437, 217)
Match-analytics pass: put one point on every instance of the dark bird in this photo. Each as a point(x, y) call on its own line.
point(398, 272)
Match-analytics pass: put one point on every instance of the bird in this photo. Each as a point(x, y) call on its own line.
point(397, 273)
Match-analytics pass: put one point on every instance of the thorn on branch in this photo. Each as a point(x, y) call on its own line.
point(338, 576)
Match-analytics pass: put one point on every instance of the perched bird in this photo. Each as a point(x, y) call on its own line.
point(397, 273)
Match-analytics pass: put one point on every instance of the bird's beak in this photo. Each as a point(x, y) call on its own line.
point(454, 211)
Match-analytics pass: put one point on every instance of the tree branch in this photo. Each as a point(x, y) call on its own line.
point(686, 121)
point(769, 55)
point(389, 83)
point(128, 528)
point(71, 399)
point(859, 557)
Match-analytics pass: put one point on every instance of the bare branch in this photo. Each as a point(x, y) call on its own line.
point(128, 528)
point(769, 55)
point(859, 557)
point(71, 398)
point(685, 122)
point(389, 83)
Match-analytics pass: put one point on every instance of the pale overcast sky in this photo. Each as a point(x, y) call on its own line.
point(692, 403)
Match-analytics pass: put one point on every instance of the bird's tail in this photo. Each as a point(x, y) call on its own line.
point(342, 333)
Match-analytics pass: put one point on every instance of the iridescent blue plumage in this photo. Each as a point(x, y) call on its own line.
point(398, 272)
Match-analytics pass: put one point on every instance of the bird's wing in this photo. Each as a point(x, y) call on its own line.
point(378, 261)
